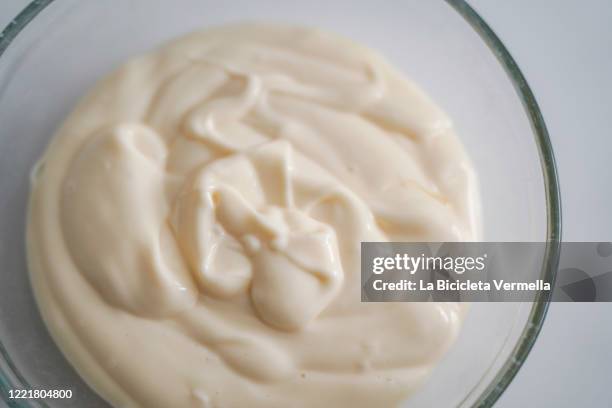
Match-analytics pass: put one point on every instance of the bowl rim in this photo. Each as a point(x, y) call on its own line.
point(537, 314)
point(539, 308)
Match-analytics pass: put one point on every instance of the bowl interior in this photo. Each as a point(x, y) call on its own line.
point(70, 44)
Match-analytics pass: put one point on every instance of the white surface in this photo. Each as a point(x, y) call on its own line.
point(565, 50)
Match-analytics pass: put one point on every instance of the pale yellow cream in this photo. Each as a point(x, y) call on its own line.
point(195, 224)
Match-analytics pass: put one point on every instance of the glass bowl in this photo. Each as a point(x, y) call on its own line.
point(54, 51)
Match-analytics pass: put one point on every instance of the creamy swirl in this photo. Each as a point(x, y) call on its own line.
point(197, 222)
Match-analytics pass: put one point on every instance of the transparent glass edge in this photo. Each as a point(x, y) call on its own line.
point(8, 34)
point(539, 309)
point(538, 312)
point(13, 28)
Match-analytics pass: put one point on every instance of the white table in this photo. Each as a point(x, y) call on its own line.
point(564, 48)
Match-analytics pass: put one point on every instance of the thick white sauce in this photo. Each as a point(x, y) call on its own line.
point(195, 226)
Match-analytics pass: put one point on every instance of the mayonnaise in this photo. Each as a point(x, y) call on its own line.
point(195, 224)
